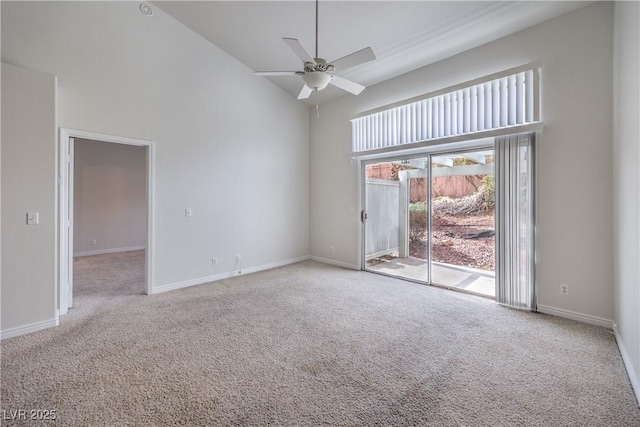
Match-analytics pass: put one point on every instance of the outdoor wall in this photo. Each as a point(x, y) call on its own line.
point(28, 292)
point(441, 186)
point(574, 202)
point(626, 176)
point(110, 197)
point(231, 146)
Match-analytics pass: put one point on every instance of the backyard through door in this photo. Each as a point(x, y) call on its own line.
point(431, 220)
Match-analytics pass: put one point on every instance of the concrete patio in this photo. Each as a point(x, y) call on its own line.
point(451, 276)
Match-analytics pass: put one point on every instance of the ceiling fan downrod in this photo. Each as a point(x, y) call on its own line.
point(317, 29)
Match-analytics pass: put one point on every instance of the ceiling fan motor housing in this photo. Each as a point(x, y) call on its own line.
point(320, 65)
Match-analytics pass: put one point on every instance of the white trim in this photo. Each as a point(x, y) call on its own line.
point(82, 134)
point(440, 144)
point(62, 198)
point(416, 152)
point(271, 265)
point(108, 251)
point(70, 169)
point(336, 263)
point(151, 179)
point(227, 275)
point(361, 192)
point(631, 373)
point(580, 317)
point(193, 282)
point(28, 329)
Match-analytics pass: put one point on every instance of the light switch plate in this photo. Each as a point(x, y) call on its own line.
point(33, 218)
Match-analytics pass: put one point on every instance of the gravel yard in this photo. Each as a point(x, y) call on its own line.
point(449, 247)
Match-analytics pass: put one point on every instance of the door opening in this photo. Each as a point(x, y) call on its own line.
point(125, 225)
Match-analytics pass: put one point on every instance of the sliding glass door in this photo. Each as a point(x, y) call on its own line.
point(463, 221)
point(396, 224)
point(431, 219)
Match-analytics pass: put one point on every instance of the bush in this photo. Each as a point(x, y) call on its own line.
point(417, 221)
point(488, 190)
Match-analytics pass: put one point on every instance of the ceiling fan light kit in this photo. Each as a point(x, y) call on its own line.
point(317, 73)
point(317, 80)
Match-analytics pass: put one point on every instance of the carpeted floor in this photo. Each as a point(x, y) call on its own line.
point(309, 344)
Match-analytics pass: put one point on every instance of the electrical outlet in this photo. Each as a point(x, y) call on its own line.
point(214, 261)
point(564, 289)
point(332, 249)
point(94, 242)
point(188, 212)
point(239, 264)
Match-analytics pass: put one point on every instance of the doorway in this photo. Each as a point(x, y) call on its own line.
point(430, 219)
point(107, 243)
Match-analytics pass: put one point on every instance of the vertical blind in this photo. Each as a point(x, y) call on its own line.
point(506, 101)
point(515, 245)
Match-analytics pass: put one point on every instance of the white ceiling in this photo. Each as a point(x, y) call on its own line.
point(404, 35)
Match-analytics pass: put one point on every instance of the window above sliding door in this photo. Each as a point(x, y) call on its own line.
point(502, 103)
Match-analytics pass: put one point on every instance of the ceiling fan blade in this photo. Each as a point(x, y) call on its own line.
point(299, 50)
point(356, 58)
point(347, 85)
point(276, 73)
point(305, 92)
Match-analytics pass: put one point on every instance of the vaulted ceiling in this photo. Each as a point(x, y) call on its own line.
point(404, 35)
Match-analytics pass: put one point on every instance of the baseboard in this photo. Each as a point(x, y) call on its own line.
point(580, 317)
point(631, 372)
point(226, 275)
point(28, 329)
point(109, 251)
point(188, 283)
point(336, 263)
point(271, 265)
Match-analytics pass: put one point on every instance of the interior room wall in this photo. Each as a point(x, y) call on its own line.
point(27, 290)
point(230, 146)
point(626, 176)
point(574, 164)
point(110, 197)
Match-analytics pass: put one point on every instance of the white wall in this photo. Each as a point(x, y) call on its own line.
point(28, 185)
point(110, 197)
point(574, 154)
point(626, 176)
point(231, 146)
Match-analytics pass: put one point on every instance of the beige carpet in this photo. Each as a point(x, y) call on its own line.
point(309, 344)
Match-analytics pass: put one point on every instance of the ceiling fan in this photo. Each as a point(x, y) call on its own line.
point(317, 73)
